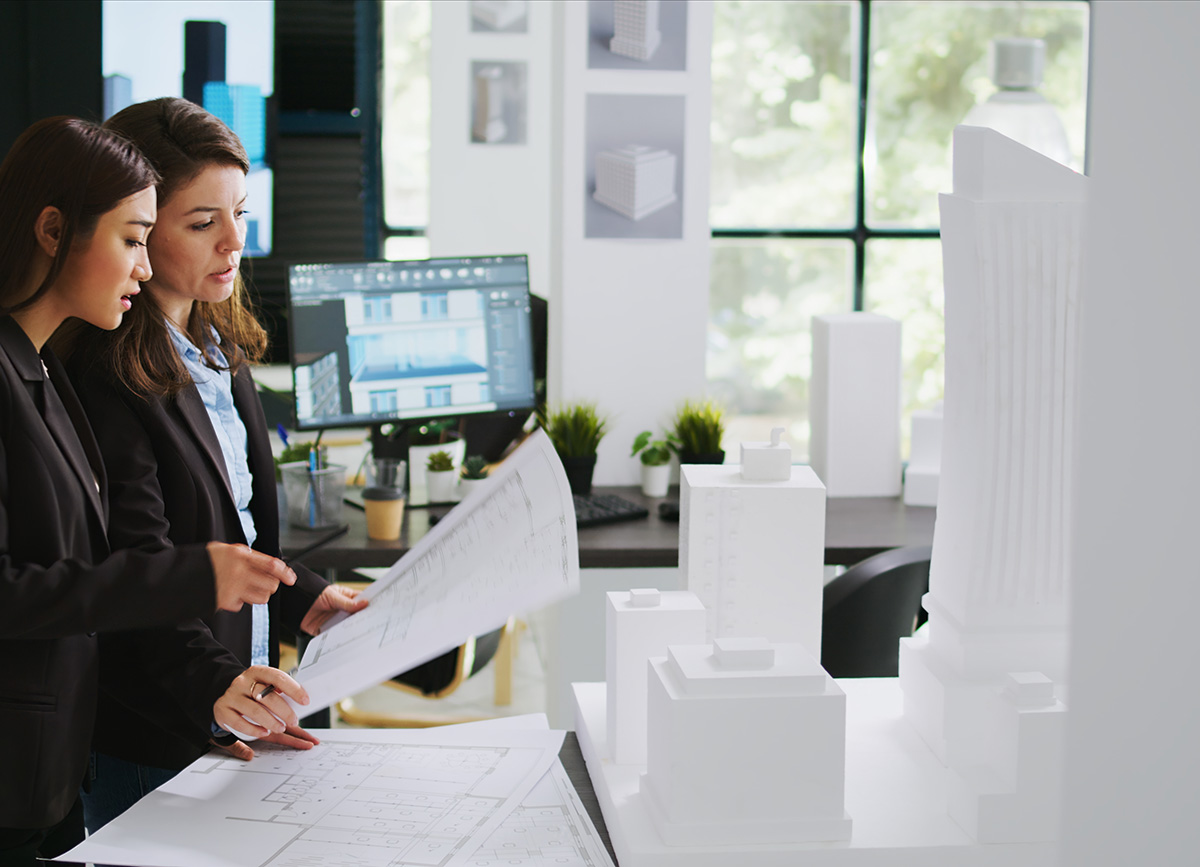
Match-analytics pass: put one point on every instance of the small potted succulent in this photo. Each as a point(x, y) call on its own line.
point(697, 430)
point(474, 473)
point(576, 431)
point(440, 477)
point(655, 456)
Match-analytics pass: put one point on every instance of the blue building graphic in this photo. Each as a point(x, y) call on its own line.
point(243, 109)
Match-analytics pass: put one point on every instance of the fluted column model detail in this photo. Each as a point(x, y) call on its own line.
point(1000, 555)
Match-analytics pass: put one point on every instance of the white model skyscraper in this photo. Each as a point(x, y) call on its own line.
point(636, 180)
point(635, 29)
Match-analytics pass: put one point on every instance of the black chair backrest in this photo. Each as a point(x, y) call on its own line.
point(869, 608)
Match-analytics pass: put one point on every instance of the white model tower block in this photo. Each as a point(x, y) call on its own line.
point(1011, 242)
point(746, 744)
point(925, 458)
point(635, 29)
point(854, 404)
point(489, 123)
point(754, 552)
point(635, 181)
point(640, 624)
point(498, 14)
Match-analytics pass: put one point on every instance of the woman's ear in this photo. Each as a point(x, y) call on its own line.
point(48, 229)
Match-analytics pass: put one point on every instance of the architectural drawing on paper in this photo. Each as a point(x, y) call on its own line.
point(635, 29)
point(489, 125)
point(636, 180)
point(369, 803)
point(981, 687)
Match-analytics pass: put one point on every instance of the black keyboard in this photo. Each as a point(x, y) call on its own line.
point(592, 510)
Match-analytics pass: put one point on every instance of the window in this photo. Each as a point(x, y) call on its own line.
point(406, 128)
point(377, 308)
point(831, 140)
point(383, 401)
point(437, 395)
point(434, 305)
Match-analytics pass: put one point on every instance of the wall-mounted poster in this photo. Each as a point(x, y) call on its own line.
point(637, 34)
point(634, 166)
point(499, 16)
point(499, 96)
point(217, 53)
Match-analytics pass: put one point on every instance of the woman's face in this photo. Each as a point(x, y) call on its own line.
point(197, 244)
point(100, 276)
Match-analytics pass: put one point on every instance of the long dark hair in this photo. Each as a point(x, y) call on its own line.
point(181, 140)
point(70, 164)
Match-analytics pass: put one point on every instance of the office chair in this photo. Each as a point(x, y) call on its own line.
point(869, 608)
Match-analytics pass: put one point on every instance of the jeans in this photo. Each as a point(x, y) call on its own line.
point(116, 786)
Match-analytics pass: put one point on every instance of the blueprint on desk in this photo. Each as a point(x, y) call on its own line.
point(509, 547)
point(361, 798)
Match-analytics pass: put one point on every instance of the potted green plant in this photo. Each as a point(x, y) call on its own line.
point(655, 456)
point(440, 477)
point(474, 473)
point(698, 427)
point(576, 431)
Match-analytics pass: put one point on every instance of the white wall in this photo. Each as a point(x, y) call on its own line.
point(629, 316)
point(490, 198)
point(1133, 755)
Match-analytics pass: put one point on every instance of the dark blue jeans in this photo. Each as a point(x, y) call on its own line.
point(116, 786)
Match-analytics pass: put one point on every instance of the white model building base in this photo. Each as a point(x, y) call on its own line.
point(643, 209)
point(895, 790)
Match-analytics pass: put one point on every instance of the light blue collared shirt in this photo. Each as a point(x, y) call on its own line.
point(216, 391)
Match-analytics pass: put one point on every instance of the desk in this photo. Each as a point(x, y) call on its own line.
point(571, 756)
point(855, 528)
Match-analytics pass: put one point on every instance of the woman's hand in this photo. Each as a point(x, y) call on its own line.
point(293, 736)
point(245, 710)
point(333, 599)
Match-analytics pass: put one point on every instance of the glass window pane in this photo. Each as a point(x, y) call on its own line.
point(929, 67)
point(784, 118)
point(903, 280)
point(764, 295)
point(405, 112)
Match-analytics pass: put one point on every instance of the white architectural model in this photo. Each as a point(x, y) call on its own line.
point(498, 14)
point(924, 458)
point(980, 687)
point(770, 725)
point(635, 29)
point(641, 624)
point(754, 551)
point(489, 125)
point(636, 180)
point(854, 404)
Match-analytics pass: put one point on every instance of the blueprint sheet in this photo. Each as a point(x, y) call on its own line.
point(362, 798)
point(551, 828)
point(509, 547)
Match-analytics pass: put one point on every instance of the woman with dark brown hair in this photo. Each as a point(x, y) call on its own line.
point(180, 425)
point(77, 204)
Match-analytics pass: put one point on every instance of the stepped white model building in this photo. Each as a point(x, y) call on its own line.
point(770, 726)
point(982, 687)
point(636, 180)
point(635, 29)
point(489, 123)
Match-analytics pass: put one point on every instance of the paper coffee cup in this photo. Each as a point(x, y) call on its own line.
point(385, 512)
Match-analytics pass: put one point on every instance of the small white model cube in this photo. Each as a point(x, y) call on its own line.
point(746, 744)
point(635, 181)
point(924, 469)
point(640, 624)
point(854, 404)
point(754, 552)
point(767, 462)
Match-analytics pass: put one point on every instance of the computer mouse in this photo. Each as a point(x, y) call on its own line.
point(668, 510)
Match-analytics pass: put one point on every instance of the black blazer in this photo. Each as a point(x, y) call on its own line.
point(59, 585)
point(169, 486)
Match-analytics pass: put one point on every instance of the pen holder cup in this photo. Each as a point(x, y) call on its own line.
point(313, 497)
point(387, 473)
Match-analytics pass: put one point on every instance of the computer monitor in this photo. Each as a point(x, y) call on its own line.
point(410, 341)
